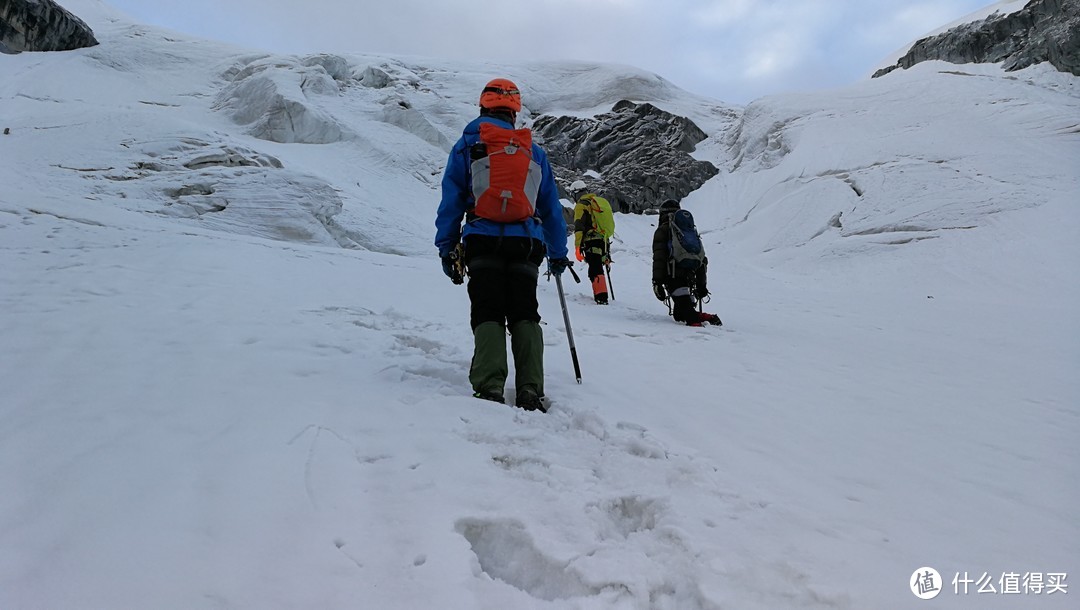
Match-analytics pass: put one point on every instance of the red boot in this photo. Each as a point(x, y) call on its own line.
point(711, 318)
point(599, 286)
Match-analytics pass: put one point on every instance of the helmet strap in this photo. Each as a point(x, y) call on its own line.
point(500, 113)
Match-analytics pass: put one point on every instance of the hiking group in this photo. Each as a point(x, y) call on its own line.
point(502, 186)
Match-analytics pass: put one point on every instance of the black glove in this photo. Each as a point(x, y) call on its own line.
point(658, 290)
point(701, 292)
point(558, 265)
point(449, 267)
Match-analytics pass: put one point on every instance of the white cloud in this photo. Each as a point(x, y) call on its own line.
point(721, 13)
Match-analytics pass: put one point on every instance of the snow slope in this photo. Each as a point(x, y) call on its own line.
point(233, 375)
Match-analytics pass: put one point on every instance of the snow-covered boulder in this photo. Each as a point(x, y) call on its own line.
point(272, 97)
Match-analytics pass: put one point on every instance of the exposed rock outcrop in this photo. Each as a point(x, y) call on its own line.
point(41, 25)
point(642, 154)
point(1043, 31)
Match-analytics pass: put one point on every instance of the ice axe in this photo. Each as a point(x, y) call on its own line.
point(566, 321)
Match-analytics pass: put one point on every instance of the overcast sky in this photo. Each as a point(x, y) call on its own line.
point(732, 50)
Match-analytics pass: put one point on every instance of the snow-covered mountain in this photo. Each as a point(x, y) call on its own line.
point(233, 375)
point(1013, 33)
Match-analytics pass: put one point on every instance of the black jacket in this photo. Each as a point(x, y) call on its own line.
point(661, 259)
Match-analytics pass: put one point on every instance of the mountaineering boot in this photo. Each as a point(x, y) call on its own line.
point(490, 396)
point(599, 287)
point(682, 306)
point(527, 343)
point(528, 399)
point(488, 370)
point(700, 318)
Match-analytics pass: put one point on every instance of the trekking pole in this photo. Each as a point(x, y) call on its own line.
point(566, 320)
point(610, 286)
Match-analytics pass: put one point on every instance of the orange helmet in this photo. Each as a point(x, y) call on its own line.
point(501, 93)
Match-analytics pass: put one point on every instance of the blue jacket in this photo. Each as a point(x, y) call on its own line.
point(548, 225)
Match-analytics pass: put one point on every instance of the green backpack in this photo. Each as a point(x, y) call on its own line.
point(602, 219)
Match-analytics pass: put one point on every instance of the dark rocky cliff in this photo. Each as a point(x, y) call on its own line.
point(41, 25)
point(1043, 31)
point(641, 152)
